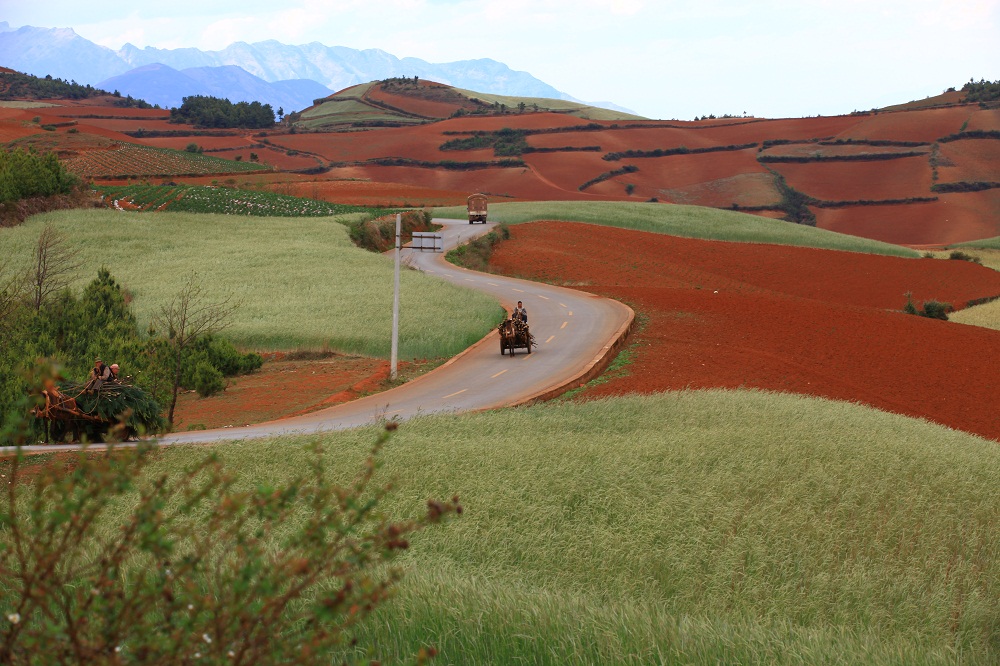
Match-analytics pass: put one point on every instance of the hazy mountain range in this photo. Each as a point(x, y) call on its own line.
point(278, 74)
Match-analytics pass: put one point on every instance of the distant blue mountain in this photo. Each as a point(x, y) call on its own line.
point(167, 87)
point(269, 72)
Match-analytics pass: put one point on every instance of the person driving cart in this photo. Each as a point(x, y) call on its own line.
point(520, 312)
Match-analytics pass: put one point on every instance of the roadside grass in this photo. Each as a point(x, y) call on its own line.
point(685, 221)
point(302, 283)
point(691, 527)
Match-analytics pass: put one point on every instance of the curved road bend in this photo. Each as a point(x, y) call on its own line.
point(573, 330)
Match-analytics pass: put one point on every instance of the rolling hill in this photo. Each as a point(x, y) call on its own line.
point(924, 176)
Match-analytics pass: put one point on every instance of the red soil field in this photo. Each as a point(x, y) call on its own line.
point(923, 125)
point(800, 320)
point(955, 218)
point(796, 129)
point(813, 149)
point(900, 178)
point(206, 142)
point(750, 189)
point(127, 125)
point(419, 143)
point(984, 119)
point(514, 182)
point(421, 107)
point(514, 121)
point(969, 160)
point(280, 389)
point(109, 111)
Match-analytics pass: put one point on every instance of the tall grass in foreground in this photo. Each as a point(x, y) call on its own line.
point(679, 220)
point(303, 284)
point(692, 527)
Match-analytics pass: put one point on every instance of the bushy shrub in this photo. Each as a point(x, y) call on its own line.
point(208, 380)
point(476, 254)
point(26, 174)
point(937, 310)
point(379, 235)
point(958, 255)
point(929, 309)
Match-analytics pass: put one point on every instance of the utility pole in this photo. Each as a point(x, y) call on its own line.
point(395, 308)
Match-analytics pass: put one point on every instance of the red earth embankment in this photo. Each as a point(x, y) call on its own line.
point(817, 322)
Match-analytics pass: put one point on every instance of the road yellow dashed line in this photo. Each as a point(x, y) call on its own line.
point(520, 291)
point(452, 395)
point(564, 325)
point(542, 297)
point(498, 374)
point(550, 339)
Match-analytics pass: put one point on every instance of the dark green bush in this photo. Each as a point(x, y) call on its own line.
point(929, 309)
point(958, 255)
point(208, 380)
point(26, 174)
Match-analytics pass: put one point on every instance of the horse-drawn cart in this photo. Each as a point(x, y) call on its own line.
point(70, 413)
point(515, 334)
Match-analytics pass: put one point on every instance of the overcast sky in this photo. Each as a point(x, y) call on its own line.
point(662, 59)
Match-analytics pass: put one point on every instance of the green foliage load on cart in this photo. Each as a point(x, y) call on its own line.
point(111, 401)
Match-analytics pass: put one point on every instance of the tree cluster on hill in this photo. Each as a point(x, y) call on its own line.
point(983, 91)
point(25, 174)
point(202, 111)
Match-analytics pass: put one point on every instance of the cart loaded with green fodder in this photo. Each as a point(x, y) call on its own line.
point(73, 412)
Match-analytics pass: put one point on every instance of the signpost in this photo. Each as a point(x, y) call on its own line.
point(395, 308)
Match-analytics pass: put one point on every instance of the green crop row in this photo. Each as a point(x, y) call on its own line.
point(224, 200)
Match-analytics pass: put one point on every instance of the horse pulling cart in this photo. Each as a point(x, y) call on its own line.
point(515, 334)
point(72, 413)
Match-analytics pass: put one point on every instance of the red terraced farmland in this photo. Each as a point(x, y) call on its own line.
point(817, 322)
point(969, 160)
point(954, 218)
point(900, 178)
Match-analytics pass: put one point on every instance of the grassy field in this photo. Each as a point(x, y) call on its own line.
point(987, 243)
point(686, 221)
point(694, 527)
point(303, 284)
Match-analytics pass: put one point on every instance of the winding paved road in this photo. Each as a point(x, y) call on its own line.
point(575, 331)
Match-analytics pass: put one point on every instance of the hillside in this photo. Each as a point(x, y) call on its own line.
point(924, 176)
point(402, 101)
